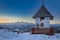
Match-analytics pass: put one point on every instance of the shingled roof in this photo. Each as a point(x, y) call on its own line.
point(43, 12)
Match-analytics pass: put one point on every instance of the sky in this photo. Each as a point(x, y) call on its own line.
point(24, 10)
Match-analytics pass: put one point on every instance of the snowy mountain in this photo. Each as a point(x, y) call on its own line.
point(17, 25)
point(5, 28)
point(24, 26)
point(55, 25)
point(26, 36)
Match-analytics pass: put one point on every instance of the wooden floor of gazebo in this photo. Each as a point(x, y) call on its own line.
point(48, 31)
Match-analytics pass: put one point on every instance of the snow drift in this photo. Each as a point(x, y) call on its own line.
point(8, 35)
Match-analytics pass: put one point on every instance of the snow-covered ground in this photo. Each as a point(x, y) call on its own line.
point(8, 35)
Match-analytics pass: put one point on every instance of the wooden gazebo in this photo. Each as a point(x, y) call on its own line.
point(43, 14)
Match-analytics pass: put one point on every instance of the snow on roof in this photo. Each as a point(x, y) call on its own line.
point(43, 12)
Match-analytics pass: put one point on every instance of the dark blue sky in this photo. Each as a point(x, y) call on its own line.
point(25, 9)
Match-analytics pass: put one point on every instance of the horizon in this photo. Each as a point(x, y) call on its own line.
point(23, 10)
point(22, 22)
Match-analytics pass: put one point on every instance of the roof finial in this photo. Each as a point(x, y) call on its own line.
point(42, 2)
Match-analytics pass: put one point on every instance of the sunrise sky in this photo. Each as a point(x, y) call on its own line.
point(23, 10)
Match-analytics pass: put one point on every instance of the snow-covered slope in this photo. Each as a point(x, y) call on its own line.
point(8, 35)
